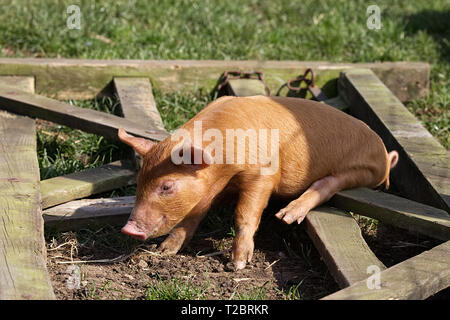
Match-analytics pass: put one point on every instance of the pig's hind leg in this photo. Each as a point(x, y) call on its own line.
point(321, 191)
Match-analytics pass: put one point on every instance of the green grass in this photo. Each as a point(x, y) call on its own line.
point(239, 29)
point(175, 289)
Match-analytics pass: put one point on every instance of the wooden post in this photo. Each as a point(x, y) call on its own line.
point(415, 279)
point(423, 171)
point(23, 271)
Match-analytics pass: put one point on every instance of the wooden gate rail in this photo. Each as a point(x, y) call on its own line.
point(415, 278)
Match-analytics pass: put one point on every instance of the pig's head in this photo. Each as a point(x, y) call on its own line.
point(166, 192)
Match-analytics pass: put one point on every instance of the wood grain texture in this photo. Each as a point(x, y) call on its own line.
point(137, 102)
point(86, 79)
point(422, 172)
point(396, 211)
point(85, 212)
point(337, 237)
point(414, 279)
point(92, 121)
point(23, 272)
point(85, 183)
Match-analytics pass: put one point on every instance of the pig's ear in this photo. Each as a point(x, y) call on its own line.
point(140, 145)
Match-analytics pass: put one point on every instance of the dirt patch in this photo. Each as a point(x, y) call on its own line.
point(285, 264)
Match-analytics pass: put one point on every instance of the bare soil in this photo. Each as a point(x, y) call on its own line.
point(285, 264)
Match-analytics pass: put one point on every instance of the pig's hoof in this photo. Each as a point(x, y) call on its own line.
point(167, 249)
point(292, 213)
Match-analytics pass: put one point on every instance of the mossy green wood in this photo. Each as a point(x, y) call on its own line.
point(423, 171)
point(23, 272)
point(414, 279)
point(88, 120)
point(246, 87)
point(82, 184)
point(337, 237)
point(86, 79)
point(396, 211)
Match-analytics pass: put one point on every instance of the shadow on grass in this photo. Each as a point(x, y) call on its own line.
point(436, 24)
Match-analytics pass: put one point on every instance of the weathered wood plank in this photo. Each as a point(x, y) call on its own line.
point(92, 121)
point(82, 184)
point(86, 212)
point(415, 175)
point(396, 211)
point(137, 101)
point(337, 237)
point(23, 272)
point(86, 79)
point(245, 87)
point(416, 278)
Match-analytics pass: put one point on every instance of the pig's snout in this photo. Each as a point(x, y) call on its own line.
point(133, 230)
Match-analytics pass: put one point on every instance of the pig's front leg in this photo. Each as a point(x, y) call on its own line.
point(252, 202)
point(180, 236)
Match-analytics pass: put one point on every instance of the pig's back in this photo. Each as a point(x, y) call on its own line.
point(316, 140)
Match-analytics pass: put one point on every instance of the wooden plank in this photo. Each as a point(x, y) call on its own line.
point(137, 101)
point(337, 237)
point(138, 105)
point(416, 176)
point(245, 88)
point(416, 278)
point(23, 272)
point(92, 121)
point(86, 79)
point(396, 211)
point(82, 184)
point(86, 212)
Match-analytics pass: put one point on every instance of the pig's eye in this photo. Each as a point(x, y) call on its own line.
point(166, 187)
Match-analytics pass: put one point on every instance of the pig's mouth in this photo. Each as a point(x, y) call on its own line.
point(135, 230)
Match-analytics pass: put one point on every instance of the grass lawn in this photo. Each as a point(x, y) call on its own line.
point(329, 30)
